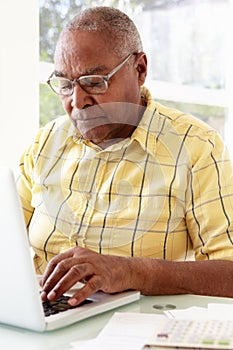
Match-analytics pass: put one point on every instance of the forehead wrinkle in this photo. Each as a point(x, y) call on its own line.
point(75, 57)
point(95, 70)
point(99, 69)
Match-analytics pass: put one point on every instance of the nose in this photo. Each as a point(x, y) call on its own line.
point(80, 98)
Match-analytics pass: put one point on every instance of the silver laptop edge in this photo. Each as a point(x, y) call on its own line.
point(20, 303)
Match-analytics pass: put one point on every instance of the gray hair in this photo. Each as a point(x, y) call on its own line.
point(122, 33)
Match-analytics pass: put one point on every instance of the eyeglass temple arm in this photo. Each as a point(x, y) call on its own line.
point(109, 75)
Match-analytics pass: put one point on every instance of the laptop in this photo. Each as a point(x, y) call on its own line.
point(20, 302)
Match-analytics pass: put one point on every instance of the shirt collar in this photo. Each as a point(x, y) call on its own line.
point(146, 132)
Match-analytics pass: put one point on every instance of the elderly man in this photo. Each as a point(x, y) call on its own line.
point(121, 192)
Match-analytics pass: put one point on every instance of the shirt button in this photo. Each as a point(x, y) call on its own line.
point(88, 196)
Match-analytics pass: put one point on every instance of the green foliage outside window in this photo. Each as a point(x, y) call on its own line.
point(50, 105)
point(54, 14)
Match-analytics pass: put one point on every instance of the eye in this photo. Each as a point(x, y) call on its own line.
point(61, 86)
point(92, 81)
point(64, 86)
point(93, 84)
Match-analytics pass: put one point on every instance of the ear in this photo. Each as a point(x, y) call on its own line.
point(141, 67)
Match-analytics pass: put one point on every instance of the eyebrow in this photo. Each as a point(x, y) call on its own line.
point(95, 70)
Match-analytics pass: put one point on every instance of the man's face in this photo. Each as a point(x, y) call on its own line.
point(113, 114)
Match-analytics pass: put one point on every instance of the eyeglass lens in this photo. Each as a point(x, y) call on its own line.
point(91, 84)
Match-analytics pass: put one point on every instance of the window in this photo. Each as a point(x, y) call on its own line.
point(186, 45)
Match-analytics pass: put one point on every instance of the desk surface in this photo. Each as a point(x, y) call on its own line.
point(20, 339)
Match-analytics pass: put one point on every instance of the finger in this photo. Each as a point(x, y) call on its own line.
point(92, 286)
point(74, 273)
point(53, 278)
point(56, 276)
point(53, 264)
point(43, 296)
point(57, 273)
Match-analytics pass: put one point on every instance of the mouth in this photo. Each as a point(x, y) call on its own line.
point(88, 113)
point(87, 124)
point(100, 119)
point(89, 118)
point(114, 112)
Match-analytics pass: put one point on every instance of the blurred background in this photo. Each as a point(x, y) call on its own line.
point(188, 44)
point(185, 41)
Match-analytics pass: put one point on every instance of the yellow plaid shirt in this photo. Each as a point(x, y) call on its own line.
point(166, 192)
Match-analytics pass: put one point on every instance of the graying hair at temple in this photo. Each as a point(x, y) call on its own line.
point(120, 30)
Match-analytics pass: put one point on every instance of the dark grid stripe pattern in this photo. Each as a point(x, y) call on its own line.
point(166, 193)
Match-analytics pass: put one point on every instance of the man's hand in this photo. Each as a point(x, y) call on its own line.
point(100, 272)
point(112, 274)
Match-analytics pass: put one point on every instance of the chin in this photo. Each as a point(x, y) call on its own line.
point(98, 134)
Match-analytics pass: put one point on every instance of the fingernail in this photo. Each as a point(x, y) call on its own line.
point(43, 295)
point(73, 301)
point(52, 295)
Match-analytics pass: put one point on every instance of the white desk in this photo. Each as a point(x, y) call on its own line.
point(20, 339)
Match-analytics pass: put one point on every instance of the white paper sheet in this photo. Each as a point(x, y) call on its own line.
point(124, 331)
point(129, 331)
point(213, 311)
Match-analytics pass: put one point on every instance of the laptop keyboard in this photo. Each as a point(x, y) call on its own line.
point(60, 305)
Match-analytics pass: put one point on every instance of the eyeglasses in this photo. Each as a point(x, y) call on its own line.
point(92, 84)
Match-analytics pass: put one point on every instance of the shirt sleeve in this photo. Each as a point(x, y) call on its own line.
point(209, 214)
point(25, 179)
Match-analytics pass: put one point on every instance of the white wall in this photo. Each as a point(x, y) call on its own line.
point(19, 57)
point(229, 81)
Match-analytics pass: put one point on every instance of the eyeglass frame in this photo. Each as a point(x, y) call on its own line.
point(105, 78)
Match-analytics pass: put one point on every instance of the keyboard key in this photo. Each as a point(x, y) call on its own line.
point(60, 305)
